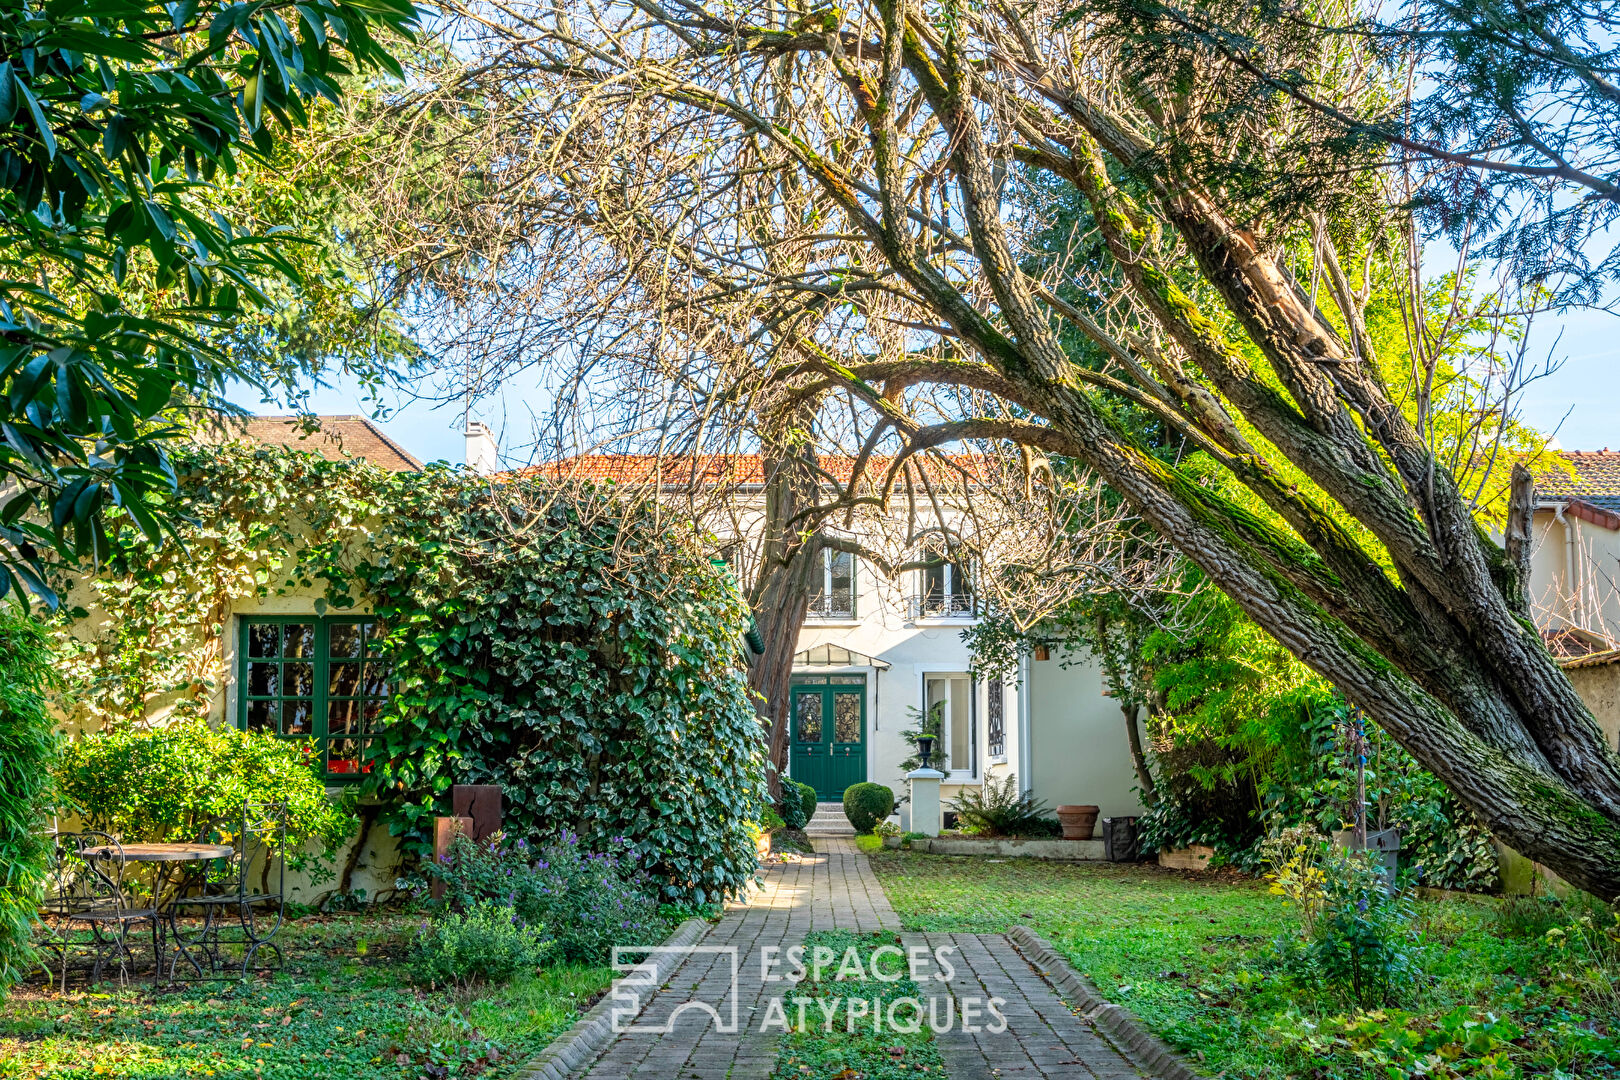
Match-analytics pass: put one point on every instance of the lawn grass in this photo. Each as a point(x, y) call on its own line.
point(848, 1043)
point(1194, 956)
point(341, 1008)
point(869, 842)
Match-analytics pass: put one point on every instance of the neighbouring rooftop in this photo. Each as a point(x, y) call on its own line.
point(336, 438)
point(1595, 479)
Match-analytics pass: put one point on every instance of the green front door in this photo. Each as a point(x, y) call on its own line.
point(829, 733)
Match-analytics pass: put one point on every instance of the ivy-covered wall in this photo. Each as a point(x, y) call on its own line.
point(553, 640)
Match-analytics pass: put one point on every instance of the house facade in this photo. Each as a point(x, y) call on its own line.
point(879, 651)
point(1574, 588)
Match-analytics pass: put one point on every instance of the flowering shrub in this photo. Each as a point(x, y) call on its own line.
point(487, 943)
point(590, 901)
point(1354, 933)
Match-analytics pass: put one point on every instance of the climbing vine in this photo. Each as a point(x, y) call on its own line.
point(555, 640)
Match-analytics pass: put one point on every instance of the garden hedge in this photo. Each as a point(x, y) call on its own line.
point(867, 804)
point(28, 746)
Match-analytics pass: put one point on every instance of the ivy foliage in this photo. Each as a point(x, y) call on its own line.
point(28, 746)
point(555, 640)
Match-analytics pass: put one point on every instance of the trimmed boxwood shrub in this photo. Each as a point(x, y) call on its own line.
point(867, 804)
point(807, 798)
point(28, 746)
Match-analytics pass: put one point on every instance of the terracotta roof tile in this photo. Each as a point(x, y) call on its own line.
point(339, 437)
point(1595, 479)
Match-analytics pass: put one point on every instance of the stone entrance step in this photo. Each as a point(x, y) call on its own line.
point(829, 820)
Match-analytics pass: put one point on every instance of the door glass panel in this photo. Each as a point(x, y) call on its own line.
point(847, 717)
point(260, 716)
point(341, 717)
point(808, 708)
point(263, 639)
point(298, 680)
point(345, 639)
point(298, 640)
point(262, 681)
point(297, 717)
point(345, 679)
point(376, 679)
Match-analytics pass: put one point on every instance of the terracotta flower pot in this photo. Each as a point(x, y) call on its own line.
point(1079, 822)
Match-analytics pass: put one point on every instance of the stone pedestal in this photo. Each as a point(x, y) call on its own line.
point(925, 813)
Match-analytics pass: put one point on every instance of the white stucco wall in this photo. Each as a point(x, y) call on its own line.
point(1078, 745)
point(1575, 574)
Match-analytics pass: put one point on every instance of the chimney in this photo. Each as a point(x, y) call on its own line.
point(483, 452)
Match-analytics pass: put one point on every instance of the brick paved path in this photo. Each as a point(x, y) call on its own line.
point(836, 890)
point(1044, 1039)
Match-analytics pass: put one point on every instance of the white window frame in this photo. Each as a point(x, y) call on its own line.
point(821, 613)
point(919, 599)
point(956, 775)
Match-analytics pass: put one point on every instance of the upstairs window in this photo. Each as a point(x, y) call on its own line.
point(315, 679)
point(944, 591)
point(832, 593)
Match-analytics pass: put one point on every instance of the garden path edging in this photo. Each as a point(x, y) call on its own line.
point(573, 1048)
point(1117, 1020)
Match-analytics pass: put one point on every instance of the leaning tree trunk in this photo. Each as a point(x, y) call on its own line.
point(781, 594)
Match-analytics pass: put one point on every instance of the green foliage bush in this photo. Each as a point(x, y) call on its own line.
point(998, 808)
point(1355, 933)
point(28, 748)
point(487, 943)
point(807, 799)
point(798, 803)
point(188, 782)
point(867, 804)
point(589, 900)
point(552, 639)
point(1249, 742)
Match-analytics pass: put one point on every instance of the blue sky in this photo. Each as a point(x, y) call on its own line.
point(1580, 401)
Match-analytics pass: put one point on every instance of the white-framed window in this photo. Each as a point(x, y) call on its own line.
point(944, 591)
point(948, 698)
point(832, 594)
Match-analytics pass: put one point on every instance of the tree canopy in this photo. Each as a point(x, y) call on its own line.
point(123, 277)
point(889, 147)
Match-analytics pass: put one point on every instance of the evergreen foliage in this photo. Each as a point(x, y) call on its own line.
point(119, 283)
point(866, 804)
point(28, 746)
point(543, 637)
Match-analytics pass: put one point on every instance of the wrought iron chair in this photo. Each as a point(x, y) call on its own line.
point(235, 902)
point(86, 888)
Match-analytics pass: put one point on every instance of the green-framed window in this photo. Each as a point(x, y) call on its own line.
point(316, 678)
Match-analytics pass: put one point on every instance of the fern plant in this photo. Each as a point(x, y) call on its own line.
point(999, 809)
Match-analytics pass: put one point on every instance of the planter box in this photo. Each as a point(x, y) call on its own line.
point(1066, 850)
point(1195, 857)
point(891, 841)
